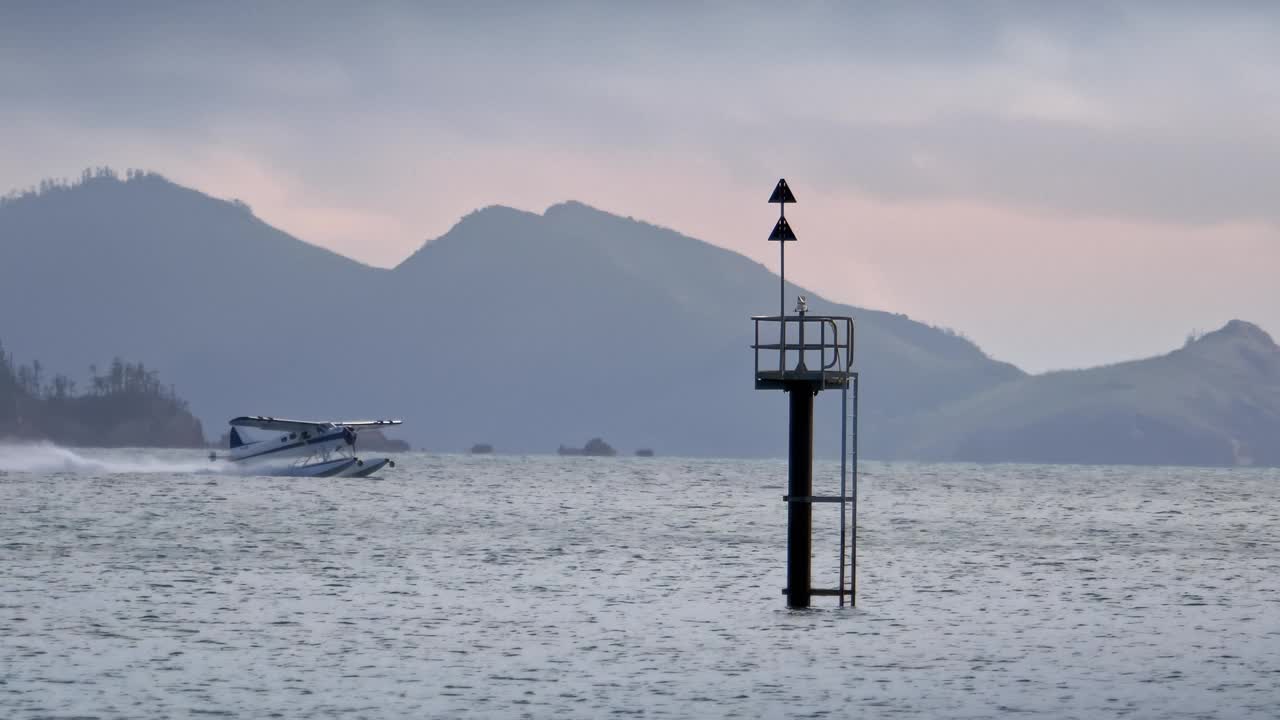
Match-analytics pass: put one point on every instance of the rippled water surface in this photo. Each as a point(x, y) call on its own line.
point(131, 586)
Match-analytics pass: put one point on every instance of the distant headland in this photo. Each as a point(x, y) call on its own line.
point(125, 405)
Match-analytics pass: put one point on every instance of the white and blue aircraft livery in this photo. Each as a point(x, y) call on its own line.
point(305, 448)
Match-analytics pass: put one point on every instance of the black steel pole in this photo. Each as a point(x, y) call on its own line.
point(800, 487)
point(782, 297)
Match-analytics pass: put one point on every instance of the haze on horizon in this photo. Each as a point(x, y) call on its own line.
point(1066, 185)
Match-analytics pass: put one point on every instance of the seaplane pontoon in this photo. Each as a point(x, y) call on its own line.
point(303, 448)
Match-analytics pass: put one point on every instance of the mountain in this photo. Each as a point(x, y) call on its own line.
point(525, 330)
point(228, 308)
point(1215, 401)
point(636, 333)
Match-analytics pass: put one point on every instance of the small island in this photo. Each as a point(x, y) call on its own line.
point(595, 447)
point(482, 449)
point(644, 452)
point(375, 440)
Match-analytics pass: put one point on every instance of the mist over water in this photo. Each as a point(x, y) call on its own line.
point(502, 587)
point(46, 457)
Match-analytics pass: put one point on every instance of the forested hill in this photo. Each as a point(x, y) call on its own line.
point(124, 406)
point(524, 330)
point(529, 331)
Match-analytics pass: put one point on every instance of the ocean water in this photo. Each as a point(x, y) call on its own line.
point(140, 585)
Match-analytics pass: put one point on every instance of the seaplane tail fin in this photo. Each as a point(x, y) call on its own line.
point(235, 439)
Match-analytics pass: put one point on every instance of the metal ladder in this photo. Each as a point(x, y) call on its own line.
point(849, 492)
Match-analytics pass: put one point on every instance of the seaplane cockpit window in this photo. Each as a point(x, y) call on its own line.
point(293, 436)
point(305, 435)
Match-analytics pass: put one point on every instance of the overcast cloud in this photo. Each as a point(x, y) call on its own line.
point(1065, 183)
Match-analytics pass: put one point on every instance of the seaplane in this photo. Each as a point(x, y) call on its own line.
point(302, 448)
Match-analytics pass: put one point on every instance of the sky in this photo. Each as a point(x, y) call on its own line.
point(1066, 184)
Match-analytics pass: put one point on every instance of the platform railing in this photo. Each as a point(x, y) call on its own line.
point(834, 347)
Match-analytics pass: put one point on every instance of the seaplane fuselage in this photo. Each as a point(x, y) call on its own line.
point(321, 441)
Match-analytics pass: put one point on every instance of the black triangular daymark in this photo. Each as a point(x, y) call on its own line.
point(782, 194)
point(782, 231)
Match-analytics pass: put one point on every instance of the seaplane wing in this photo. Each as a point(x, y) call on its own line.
point(286, 425)
point(361, 424)
point(271, 423)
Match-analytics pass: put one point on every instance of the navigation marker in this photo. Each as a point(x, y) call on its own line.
point(782, 193)
point(834, 351)
point(782, 232)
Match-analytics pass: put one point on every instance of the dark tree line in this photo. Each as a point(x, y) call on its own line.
point(52, 185)
point(125, 404)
